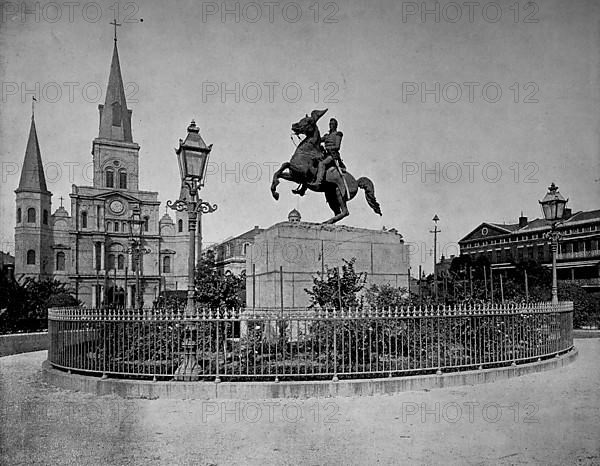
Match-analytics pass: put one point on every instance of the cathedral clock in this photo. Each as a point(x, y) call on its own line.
point(116, 207)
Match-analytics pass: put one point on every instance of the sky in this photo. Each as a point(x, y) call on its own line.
point(468, 111)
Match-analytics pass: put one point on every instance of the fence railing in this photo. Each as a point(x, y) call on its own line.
point(303, 344)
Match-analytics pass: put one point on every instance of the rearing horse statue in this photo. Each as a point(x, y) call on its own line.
point(303, 166)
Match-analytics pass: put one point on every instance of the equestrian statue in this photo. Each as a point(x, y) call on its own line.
point(316, 165)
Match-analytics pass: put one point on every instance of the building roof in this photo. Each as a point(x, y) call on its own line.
point(509, 227)
point(294, 216)
point(166, 219)
point(535, 224)
point(247, 235)
point(6, 258)
point(588, 215)
point(60, 212)
point(32, 174)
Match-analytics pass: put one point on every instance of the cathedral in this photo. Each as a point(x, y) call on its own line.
point(90, 247)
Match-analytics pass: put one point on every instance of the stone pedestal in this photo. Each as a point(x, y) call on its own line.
point(289, 254)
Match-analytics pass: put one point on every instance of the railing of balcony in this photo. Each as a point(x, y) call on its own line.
point(583, 281)
point(307, 344)
point(579, 254)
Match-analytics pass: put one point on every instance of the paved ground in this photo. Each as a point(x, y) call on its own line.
point(547, 418)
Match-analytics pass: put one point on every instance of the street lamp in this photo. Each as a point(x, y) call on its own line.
point(435, 231)
point(137, 250)
point(553, 208)
point(192, 157)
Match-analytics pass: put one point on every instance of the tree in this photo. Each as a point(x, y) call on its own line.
point(337, 291)
point(216, 290)
point(386, 296)
point(586, 306)
point(25, 306)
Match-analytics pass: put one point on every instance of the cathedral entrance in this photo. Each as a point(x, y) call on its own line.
point(116, 296)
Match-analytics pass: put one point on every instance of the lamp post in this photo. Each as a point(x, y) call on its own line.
point(553, 208)
point(137, 250)
point(435, 231)
point(192, 157)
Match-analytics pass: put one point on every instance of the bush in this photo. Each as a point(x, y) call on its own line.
point(24, 307)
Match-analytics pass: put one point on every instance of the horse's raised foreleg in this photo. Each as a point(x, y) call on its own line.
point(276, 176)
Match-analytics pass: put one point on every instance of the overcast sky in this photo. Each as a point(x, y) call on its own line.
point(468, 113)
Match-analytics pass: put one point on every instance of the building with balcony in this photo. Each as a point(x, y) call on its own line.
point(504, 245)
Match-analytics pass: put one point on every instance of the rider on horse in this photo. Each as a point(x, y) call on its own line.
point(332, 142)
point(310, 161)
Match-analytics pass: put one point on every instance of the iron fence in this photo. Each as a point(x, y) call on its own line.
point(301, 344)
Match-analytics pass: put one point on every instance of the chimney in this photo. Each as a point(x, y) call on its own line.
point(522, 221)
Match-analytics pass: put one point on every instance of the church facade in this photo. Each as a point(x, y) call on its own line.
point(90, 247)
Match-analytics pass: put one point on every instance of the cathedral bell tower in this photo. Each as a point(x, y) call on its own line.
point(114, 153)
point(33, 233)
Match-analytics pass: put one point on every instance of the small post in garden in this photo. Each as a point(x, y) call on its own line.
point(492, 283)
point(435, 231)
point(485, 282)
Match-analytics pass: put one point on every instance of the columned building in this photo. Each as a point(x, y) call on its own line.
point(578, 258)
point(90, 247)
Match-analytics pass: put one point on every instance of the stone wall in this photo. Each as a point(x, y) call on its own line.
point(23, 343)
point(289, 255)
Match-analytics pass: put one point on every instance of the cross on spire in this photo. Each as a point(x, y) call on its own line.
point(61, 201)
point(115, 24)
point(33, 100)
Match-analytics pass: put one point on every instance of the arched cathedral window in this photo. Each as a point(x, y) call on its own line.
point(98, 255)
point(179, 225)
point(122, 179)
point(110, 178)
point(31, 215)
point(167, 264)
point(84, 219)
point(19, 215)
point(31, 257)
point(60, 261)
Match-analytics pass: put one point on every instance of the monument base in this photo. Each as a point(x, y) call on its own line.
point(286, 257)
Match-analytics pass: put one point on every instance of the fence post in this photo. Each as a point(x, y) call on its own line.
point(335, 377)
point(439, 370)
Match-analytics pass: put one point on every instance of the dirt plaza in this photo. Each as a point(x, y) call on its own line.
point(546, 418)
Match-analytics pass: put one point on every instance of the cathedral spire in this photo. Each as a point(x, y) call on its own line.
point(32, 173)
point(115, 118)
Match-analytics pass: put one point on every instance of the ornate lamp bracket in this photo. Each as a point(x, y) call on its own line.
point(204, 207)
point(178, 205)
point(554, 235)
